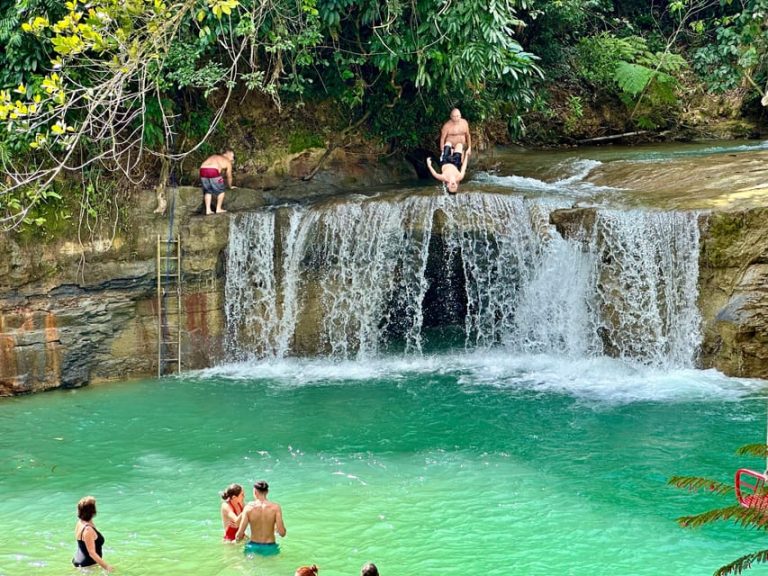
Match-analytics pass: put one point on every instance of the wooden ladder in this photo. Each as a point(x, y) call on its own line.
point(168, 306)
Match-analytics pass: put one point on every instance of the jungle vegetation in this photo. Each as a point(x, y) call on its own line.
point(754, 516)
point(100, 87)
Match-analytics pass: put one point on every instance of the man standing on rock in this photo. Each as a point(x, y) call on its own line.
point(454, 132)
point(212, 174)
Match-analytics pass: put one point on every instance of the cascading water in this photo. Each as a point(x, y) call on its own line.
point(349, 279)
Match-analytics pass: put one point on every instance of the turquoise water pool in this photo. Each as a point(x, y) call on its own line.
point(466, 464)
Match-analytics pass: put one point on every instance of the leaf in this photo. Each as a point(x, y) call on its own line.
point(633, 78)
point(741, 564)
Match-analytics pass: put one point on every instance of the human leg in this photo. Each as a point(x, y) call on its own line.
point(220, 203)
point(447, 151)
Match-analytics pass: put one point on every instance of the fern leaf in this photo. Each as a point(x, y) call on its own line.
point(741, 564)
point(695, 484)
point(632, 78)
point(745, 517)
point(757, 450)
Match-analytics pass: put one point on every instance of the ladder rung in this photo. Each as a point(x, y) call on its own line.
point(169, 278)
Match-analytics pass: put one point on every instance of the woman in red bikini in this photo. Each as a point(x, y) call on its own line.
point(234, 499)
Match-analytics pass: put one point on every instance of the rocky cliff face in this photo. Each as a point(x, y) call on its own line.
point(734, 292)
point(72, 313)
point(733, 286)
point(78, 313)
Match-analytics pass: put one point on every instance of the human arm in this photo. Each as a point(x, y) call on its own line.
point(279, 524)
point(432, 170)
point(469, 138)
point(243, 525)
point(229, 516)
point(229, 174)
point(89, 537)
point(464, 163)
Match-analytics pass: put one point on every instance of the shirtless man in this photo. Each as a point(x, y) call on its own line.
point(264, 519)
point(453, 170)
point(454, 132)
point(212, 174)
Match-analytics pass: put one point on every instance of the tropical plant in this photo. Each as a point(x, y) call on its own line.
point(23, 55)
point(755, 517)
point(645, 80)
point(103, 97)
point(384, 58)
point(732, 42)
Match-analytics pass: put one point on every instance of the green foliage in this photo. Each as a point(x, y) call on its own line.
point(421, 53)
point(696, 484)
point(23, 55)
point(633, 78)
point(597, 57)
point(574, 115)
point(754, 517)
point(302, 140)
point(742, 564)
point(756, 450)
point(642, 79)
point(732, 46)
point(39, 211)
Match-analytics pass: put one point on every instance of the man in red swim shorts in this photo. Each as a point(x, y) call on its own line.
point(212, 174)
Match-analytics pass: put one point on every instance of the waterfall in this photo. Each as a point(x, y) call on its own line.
point(352, 279)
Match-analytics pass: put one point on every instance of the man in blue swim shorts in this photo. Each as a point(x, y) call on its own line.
point(262, 549)
point(265, 519)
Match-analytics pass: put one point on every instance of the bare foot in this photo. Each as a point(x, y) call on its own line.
point(220, 211)
point(208, 212)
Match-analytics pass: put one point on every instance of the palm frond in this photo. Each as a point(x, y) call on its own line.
point(695, 484)
point(757, 450)
point(741, 564)
point(755, 517)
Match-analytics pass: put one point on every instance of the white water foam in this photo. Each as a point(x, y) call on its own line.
point(572, 185)
point(602, 380)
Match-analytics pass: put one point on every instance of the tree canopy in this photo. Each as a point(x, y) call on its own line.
point(107, 83)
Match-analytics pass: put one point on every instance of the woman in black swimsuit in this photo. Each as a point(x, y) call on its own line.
point(89, 540)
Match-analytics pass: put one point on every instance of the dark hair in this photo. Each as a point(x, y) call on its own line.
point(232, 490)
point(307, 570)
point(369, 570)
point(86, 508)
point(261, 486)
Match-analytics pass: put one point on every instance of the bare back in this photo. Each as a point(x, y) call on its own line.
point(264, 518)
point(217, 161)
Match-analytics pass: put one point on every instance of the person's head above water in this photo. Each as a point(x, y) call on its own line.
point(232, 491)
point(452, 185)
point(86, 508)
point(261, 486)
point(307, 571)
point(455, 115)
point(369, 570)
